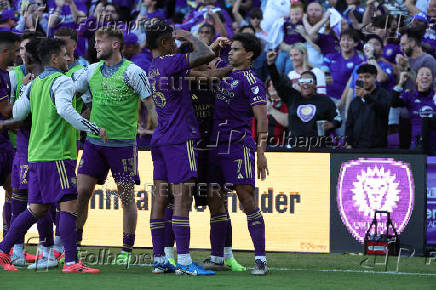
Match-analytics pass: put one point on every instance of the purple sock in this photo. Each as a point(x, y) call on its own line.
point(228, 242)
point(128, 242)
point(18, 205)
point(67, 230)
point(79, 236)
point(169, 234)
point(7, 213)
point(182, 234)
point(157, 227)
point(256, 226)
point(45, 230)
point(21, 225)
point(218, 229)
point(54, 215)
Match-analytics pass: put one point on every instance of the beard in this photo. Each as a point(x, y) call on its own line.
point(409, 52)
point(105, 56)
point(314, 20)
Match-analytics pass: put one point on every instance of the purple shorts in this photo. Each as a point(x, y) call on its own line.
point(174, 163)
point(52, 181)
point(122, 161)
point(6, 160)
point(235, 163)
point(20, 172)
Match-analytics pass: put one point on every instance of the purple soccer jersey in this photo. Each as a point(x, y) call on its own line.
point(176, 118)
point(340, 70)
point(235, 97)
point(420, 106)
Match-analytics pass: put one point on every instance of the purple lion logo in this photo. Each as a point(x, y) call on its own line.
point(370, 184)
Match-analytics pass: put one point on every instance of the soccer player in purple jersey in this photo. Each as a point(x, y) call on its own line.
point(172, 146)
point(239, 97)
point(203, 100)
point(52, 152)
point(9, 49)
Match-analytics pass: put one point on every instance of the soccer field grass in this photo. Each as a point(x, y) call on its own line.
point(287, 271)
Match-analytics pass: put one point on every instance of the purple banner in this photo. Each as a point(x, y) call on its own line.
point(431, 200)
point(366, 185)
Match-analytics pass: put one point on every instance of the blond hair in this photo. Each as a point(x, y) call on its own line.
point(112, 31)
point(301, 47)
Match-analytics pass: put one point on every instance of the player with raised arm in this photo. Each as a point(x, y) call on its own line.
point(239, 97)
point(173, 142)
point(116, 85)
point(52, 153)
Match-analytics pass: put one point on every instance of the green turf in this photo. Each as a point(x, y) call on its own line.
point(288, 271)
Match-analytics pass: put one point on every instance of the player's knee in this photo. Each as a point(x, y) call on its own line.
point(85, 191)
point(246, 197)
point(128, 201)
point(38, 211)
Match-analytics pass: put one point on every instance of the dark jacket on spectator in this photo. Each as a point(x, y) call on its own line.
point(303, 112)
point(367, 120)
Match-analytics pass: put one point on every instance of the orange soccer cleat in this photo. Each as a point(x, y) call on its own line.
point(5, 263)
point(79, 267)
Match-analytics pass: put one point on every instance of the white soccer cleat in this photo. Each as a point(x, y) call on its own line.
point(18, 260)
point(43, 263)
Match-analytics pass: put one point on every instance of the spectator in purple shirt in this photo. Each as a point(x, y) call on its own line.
point(295, 18)
point(420, 102)
point(340, 65)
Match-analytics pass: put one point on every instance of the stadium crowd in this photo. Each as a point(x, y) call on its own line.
point(340, 73)
point(330, 38)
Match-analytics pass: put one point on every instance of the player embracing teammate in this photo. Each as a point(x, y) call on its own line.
point(239, 97)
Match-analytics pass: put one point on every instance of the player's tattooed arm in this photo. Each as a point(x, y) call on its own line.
point(149, 104)
point(211, 74)
point(261, 138)
point(202, 54)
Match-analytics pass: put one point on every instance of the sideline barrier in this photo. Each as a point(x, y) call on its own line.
point(302, 209)
point(294, 200)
